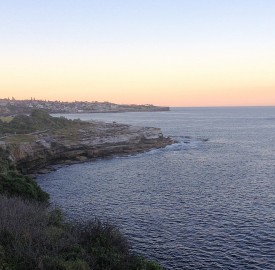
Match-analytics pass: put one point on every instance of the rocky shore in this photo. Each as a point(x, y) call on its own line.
point(38, 152)
point(35, 143)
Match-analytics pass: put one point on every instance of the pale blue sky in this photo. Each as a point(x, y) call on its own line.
point(106, 21)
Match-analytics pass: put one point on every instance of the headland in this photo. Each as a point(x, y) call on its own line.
point(38, 141)
point(13, 107)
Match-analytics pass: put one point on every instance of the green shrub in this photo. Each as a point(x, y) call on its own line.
point(34, 237)
point(56, 263)
point(139, 263)
point(13, 183)
point(104, 241)
point(56, 218)
point(3, 262)
point(38, 120)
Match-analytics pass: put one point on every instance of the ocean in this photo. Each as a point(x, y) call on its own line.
point(206, 202)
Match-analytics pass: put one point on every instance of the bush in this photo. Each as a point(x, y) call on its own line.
point(28, 235)
point(55, 263)
point(14, 183)
point(38, 120)
point(34, 237)
point(105, 243)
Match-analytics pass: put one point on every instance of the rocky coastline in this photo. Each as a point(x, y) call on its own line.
point(36, 144)
point(40, 152)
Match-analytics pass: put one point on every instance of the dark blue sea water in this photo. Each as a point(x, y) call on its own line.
point(207, 202)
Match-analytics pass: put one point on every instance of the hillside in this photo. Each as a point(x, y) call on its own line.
point(13, 107)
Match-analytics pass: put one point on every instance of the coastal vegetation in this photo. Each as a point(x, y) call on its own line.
point(14, 183)
point(38, 120)
point(34, 235)
point(6, 118)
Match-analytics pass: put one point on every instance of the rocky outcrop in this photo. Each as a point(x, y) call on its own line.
point(35, 152)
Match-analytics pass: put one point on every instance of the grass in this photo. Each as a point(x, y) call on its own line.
point(6, 119)
point(19, 138)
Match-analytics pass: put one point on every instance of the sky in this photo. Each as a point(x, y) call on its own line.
point(162, 52)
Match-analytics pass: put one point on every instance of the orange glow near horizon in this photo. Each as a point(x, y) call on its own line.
point(189, 53)
point(182, 80)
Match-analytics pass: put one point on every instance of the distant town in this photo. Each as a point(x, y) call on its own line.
point(10, 107)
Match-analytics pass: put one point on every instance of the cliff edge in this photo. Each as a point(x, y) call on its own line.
point(77, 142)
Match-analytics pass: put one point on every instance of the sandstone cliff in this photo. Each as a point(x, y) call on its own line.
point(33, 152)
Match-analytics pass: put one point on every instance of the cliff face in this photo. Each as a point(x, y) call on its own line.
point(34, 152)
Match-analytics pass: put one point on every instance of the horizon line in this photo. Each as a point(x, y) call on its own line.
point(144, 104)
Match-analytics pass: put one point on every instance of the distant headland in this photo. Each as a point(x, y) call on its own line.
point(13, 107)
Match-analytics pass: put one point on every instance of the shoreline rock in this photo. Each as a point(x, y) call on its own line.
point(42, 152)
